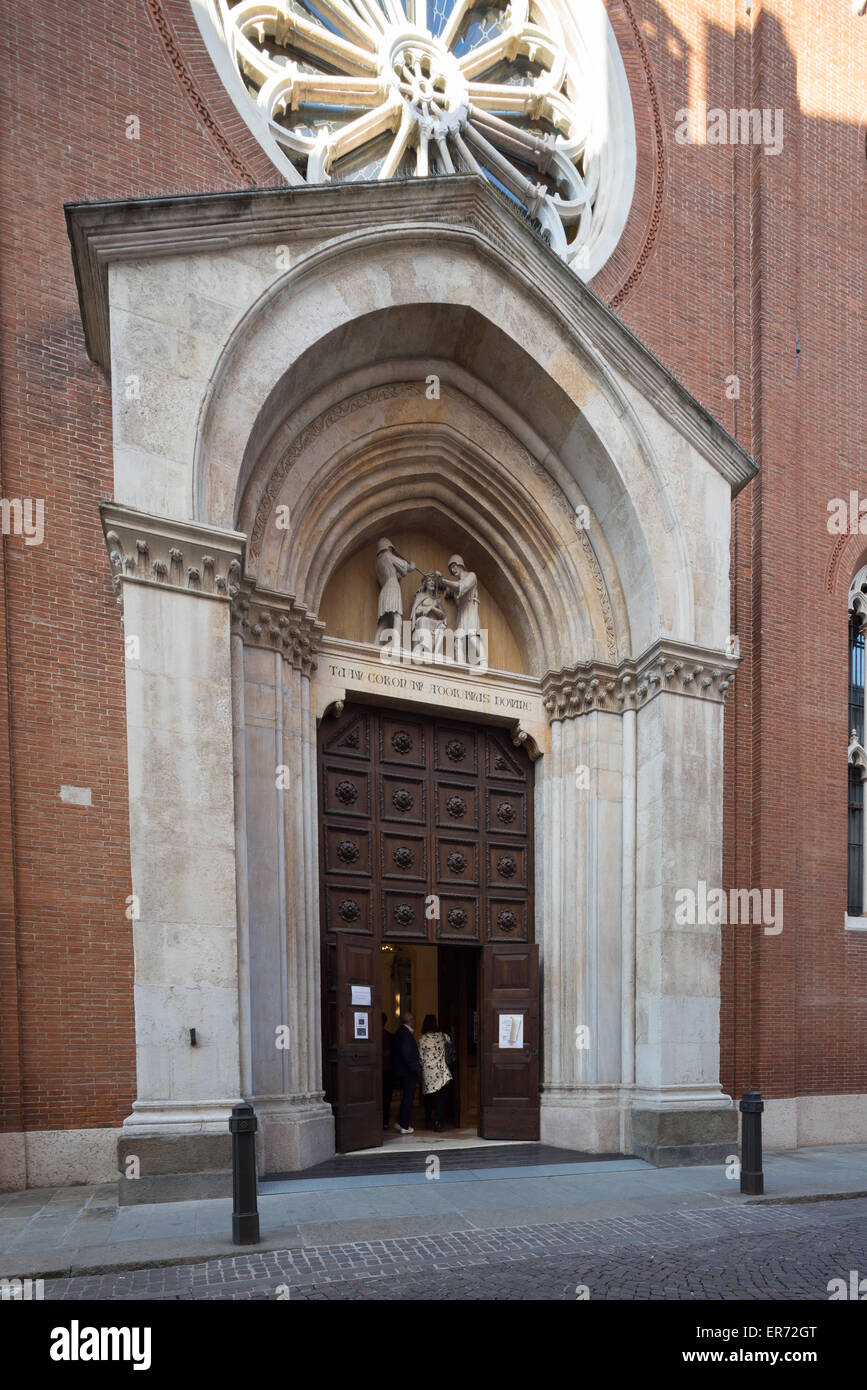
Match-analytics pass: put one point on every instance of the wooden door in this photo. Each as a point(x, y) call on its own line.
point(449, 1019)
point(457, 1013)
point(358, 1030)
point(510, 1041)
point(427, 837)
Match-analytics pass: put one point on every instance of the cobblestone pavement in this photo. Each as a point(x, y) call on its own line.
point(743, 1252)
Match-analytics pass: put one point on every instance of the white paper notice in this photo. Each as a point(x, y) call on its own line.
point(361, 1026)
point(360, 994)
point(511, 1030)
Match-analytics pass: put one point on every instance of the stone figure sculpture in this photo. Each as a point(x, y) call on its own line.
point(428, 632)
point(428, 617)
point(390, 570)
point(464, 589)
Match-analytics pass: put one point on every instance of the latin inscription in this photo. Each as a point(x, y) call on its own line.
point(386, 681)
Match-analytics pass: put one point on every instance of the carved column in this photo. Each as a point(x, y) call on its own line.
point(632, 810)
point(579, 929)
point(275, 640)
point(679, 1111)
point(174, 581)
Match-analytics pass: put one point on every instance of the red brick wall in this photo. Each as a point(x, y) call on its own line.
point(71, 76)
point(757, 252)
point(729, 254)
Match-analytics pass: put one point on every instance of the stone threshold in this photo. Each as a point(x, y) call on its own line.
point(273, 1186)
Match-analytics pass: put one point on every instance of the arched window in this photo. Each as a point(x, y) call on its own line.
point(856, 904)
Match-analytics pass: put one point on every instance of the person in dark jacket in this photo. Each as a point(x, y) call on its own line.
point(406, 1064)
point(387, 1073)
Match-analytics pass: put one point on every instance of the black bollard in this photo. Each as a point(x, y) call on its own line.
point(245, 1216)
point(752, 1177)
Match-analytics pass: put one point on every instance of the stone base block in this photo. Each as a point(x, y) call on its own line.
point(13, 1162)
point(173, 1168)
point(58, 1158)
point(588, 1120)
point(295, 1137)
point(676, 1138)
point(795, 1122)
point(182, 1167)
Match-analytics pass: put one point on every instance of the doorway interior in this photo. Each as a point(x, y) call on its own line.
point(443, 981)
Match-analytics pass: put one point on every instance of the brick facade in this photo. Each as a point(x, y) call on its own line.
point(732, 258)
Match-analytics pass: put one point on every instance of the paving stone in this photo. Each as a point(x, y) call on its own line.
point(747, 1252)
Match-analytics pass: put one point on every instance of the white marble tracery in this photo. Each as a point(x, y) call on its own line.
point(858, 597)
point(520, 91)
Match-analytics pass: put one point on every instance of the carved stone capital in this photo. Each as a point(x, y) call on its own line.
point(278, 623)
point(581, 689)
point(672, 667)
point(684, 670)
point(181, 555)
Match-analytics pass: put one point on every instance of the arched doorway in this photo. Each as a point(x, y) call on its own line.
point(424, 364)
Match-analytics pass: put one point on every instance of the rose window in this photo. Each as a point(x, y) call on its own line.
point(531, 94)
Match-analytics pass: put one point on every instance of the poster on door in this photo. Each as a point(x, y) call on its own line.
point(361, 1026)
point(511, 1030)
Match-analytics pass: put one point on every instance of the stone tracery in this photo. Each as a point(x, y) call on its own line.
point(349, 90)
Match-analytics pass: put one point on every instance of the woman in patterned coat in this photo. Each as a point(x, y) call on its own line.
point(435, 1073)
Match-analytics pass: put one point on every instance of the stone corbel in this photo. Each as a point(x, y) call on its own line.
point(278, 622)
point(181, 555)
point(530, 738)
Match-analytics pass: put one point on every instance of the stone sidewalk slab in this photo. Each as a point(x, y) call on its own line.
point(740, 1252)
point(70, 1231)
